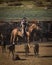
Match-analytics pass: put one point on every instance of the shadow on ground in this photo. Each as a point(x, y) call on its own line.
point(45, 56)
point(18, 58)
point(20, 52)
point(46, 46)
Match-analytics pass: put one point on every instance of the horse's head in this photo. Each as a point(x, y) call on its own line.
point(34, 26)
point(31, 27)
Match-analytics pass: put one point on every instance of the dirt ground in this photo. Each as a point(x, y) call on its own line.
point(44, 58)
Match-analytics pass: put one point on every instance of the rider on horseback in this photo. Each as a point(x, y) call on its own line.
point(24, 24)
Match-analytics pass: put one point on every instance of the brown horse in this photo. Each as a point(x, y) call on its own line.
point(15, 32)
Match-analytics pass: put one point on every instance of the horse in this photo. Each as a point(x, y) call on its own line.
point(16, 32)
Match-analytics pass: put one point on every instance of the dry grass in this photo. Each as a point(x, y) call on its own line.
point(45, 57)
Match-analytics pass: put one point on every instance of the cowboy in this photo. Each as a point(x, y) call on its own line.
point(24, 24)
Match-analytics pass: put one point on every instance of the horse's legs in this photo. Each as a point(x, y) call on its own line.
point(3, 48)
point(9, 53)
point(13, 54)
point(13, 51)
point(27, 49)
point(24, 38)
point(28, 39)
